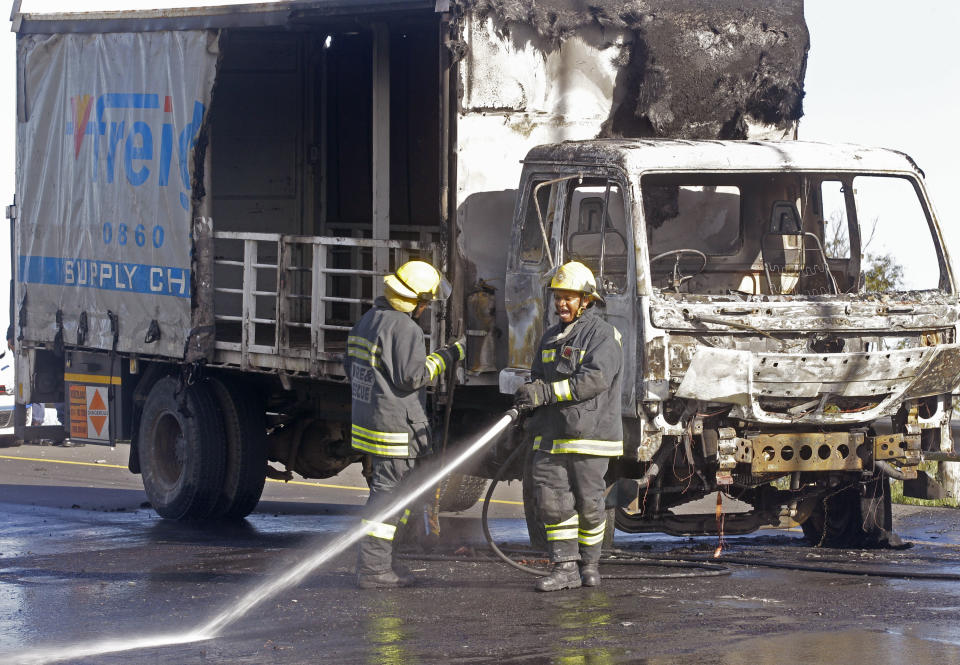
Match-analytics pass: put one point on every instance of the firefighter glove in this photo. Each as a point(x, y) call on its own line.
point(531, 395)
point(458, 348)
point(441, 359)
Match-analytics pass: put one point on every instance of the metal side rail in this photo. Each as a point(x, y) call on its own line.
point(285, 303)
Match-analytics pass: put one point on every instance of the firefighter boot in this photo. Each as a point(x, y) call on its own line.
point(406, 577)
point(590, 574)
point(565, 575)
point(387, 580)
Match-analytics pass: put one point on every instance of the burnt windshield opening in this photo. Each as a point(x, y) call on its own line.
point(795, 235)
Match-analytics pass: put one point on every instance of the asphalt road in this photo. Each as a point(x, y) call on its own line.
point(82, 562)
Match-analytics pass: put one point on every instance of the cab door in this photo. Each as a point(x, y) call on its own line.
point(533, 253)
point(596, 232)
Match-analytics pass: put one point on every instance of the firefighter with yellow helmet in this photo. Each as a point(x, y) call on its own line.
point(388, 369)
point(576, 427)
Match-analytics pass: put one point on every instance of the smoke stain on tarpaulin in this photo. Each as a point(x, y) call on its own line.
point(693, 69)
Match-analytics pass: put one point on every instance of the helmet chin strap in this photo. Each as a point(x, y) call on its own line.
point(585, 300)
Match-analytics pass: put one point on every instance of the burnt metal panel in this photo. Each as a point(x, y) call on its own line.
point(254, 15)
point(806, 451)
point(942, 374)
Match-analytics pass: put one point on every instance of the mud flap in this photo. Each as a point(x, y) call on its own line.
point(924, 487)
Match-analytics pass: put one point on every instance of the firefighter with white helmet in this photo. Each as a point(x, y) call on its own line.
point(576, 427)
point(388, 369)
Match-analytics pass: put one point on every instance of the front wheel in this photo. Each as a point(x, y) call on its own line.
point(181, 449)
point(853, 519)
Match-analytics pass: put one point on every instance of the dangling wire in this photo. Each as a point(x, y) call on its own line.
point(719, 515)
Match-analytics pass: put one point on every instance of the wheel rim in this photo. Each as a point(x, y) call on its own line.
point(169, 450)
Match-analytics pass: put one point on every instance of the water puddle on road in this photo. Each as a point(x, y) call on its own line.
point(262, 592)
point(851, 647)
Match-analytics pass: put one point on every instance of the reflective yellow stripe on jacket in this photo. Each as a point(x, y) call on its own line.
point(548, 355)
point(565, 530)
point(435, 365)
point(562, 390)
point(363, 349)
point(385, 444)
point(588, 447)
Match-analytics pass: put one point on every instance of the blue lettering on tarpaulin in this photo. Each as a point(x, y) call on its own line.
point(105, 275)
point(138, 149)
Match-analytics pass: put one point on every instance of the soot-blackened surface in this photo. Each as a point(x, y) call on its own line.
point(694, 69)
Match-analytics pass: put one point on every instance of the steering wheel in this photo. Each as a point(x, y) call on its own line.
point(678, 279)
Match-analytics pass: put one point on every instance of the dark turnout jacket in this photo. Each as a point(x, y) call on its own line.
point(581, 363)
point(388, 367)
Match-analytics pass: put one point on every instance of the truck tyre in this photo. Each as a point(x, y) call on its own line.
point(535, 528)
point(245, 432)
point(835, 520)
point(181, 449)
point(460, 491)
point(847, 519)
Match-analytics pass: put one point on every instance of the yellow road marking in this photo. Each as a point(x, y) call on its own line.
point(302, 482)
point(62, 461)
point(269, 480)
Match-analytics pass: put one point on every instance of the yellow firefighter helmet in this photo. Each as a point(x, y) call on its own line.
point(415, 282)
point(574, 276)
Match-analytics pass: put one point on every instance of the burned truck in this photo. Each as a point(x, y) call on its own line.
point(792, 318)
point(207, 199)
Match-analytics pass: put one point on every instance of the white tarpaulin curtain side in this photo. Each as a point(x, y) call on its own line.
point(107, 126)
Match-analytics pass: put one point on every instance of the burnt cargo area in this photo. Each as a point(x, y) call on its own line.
point(689, 69)
point(294, 122)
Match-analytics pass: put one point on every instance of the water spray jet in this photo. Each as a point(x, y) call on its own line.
point(271, 588)
point(268, 589)
point(86, 650)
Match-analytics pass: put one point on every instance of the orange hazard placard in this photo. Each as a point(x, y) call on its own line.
point(97, 413)
point(89, 413)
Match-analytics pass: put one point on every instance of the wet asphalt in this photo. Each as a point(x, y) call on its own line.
point(82, 561)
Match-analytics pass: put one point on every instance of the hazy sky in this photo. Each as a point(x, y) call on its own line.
point(879, 73)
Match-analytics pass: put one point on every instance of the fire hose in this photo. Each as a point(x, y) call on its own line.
point(616, 557)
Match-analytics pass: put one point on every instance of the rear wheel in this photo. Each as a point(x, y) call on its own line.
point(181, 449)
point(245, 431)
point(460, 491)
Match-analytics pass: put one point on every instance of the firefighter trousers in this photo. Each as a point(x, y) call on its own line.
point(569, 495)
point(387, 482)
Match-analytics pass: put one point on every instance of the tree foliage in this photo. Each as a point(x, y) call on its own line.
point(881, 271)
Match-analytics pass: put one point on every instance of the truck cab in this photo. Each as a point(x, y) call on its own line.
point(789, 319)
